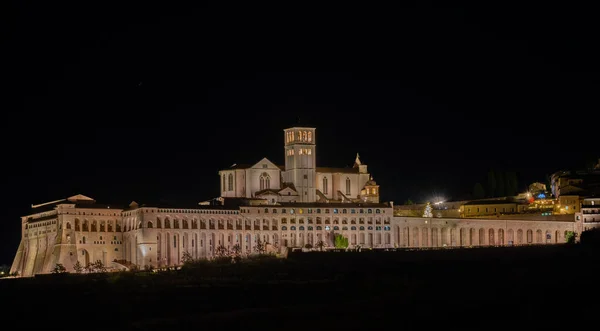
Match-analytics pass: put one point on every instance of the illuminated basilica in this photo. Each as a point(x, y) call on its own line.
point(297, 205)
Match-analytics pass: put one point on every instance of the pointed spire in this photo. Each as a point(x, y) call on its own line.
point(357, 161)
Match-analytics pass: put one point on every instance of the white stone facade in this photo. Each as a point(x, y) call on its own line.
point(299, 180)
point(287, 207)
point(158, 236)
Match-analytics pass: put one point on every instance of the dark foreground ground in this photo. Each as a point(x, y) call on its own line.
point(534, 288)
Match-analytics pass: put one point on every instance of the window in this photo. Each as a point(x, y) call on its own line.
point(265, 181)
point(325, 185)
point(230, 186)
point(223, 184)
point(347, 186)
point(309, 136)
point(335, 211)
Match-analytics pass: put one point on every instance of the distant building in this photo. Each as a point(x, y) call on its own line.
point(536, 188)
point(589, 216)
point(575, 182)
point(491, 207)
point(569, 204)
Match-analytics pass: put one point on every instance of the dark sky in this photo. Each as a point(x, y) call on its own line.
point(141, 103)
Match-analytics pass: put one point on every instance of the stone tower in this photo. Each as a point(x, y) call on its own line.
point(300, 162)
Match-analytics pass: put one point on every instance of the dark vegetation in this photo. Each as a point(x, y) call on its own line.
point(535, 288)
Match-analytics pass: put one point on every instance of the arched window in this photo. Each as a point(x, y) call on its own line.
point(347, 186)
point(223, 185)
point(230, 183)
point(149, 226)
point(265, 181)
point(68, 226)
point(325, 185)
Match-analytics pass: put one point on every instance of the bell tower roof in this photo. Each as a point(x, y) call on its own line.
point(357, 161)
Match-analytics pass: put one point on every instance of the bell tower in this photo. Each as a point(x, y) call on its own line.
point(300, 161)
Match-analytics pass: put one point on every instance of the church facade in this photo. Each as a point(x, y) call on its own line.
point(261, 205)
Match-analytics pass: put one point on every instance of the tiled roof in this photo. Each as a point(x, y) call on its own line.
point(266, 191)
point(335, 205)
point(338, 170)
point(489, 202)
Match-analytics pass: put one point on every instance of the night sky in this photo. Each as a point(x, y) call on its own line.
point(146, 103)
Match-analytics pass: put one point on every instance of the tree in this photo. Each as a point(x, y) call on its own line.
point(491, 184)
point(99, 266)
point(427, 210)
point(512, 185)
point(260, 247)
point(570, 237)
point(236, 253)
point(590, 238)
point(340, 241)
point(236, 250)
point(320, 244)
point(89, 268)
point(187, 258)
point(478, 192)
point(548, 182)
point(78, 267)
point(221, 251)
point(59, 269)
point(409, 202)
point(500, 184)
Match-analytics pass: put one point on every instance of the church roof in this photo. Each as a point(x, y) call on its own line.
point(266, 191)
point(240, 166)
point(288, 185)
point(338, 170)
point(250, 165)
